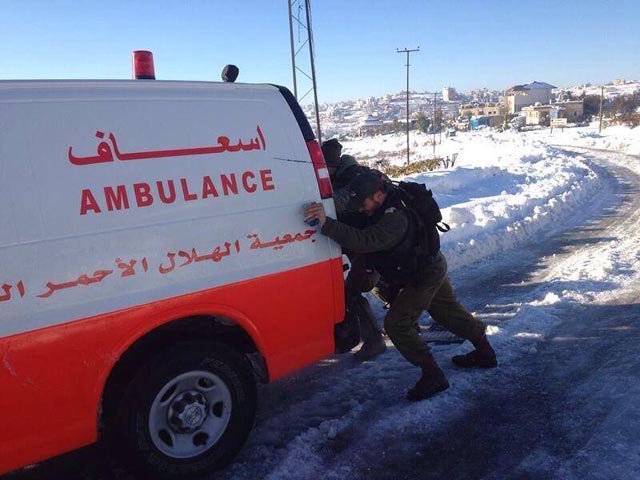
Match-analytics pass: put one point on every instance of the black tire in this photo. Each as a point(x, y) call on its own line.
point(132, 432)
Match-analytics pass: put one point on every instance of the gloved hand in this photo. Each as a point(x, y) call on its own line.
point(314, 210)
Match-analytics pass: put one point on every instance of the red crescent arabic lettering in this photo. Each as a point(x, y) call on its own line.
point(105, 153)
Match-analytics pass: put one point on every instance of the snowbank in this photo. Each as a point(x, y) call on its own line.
point(616, 138)
point(505, 188)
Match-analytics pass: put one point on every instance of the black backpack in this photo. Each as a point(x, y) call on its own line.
point(419, 200)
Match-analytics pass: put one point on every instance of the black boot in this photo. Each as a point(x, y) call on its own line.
point(484, 356)
point(371, 349)
point(373, 342)
point(431, 382)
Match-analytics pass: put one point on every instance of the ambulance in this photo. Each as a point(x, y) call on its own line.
point(155, 266)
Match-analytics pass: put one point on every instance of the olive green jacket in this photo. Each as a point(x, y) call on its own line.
point(385, 234)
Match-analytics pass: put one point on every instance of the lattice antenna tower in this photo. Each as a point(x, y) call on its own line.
point(302, 55)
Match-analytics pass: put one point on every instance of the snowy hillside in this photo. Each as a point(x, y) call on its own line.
point(610, 91)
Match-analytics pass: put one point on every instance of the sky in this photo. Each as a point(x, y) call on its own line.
point(466, 44)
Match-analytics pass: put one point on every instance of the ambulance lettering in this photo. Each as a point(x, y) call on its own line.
point(105, 152)
point(187, 257)
point(143, 194)
point(7, 291)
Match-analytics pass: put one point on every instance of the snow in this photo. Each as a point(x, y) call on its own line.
point(610, 91)
point(618, 138)
point(504, 189)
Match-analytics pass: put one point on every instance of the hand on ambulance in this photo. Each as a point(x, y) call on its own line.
point(314, 210)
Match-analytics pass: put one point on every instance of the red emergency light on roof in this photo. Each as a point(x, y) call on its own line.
point(143, 65)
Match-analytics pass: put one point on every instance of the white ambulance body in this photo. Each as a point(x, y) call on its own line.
point(153, 258)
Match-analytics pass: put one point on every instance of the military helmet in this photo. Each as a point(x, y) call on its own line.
point(364, 185)
point(331, 150)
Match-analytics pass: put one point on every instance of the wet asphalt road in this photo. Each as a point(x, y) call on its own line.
point(552, 418)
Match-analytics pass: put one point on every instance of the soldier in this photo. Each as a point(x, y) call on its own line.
point(390, 241)
point(342, 170)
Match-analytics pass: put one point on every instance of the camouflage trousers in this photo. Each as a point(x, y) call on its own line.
point(435, 295)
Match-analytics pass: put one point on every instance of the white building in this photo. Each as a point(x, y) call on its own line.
point(371, 126)
point(520, 96)
point(449, 94)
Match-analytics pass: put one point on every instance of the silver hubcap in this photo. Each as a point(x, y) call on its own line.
point(190, 414)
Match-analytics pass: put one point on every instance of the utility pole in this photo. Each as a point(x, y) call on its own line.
point(440, 124)
point(313, 71)
point(433, 124)
point(300, 16)
point(601, 103)
point(293, 51)
point(407, 52)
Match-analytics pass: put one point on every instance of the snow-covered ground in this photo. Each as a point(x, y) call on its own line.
point(610, 91)
point(504, 189)
point(617, 138)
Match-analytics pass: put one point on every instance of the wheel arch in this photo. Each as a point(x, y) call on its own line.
point(198, 327)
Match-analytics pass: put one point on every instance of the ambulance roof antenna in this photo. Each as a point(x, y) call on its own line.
point(300, 15)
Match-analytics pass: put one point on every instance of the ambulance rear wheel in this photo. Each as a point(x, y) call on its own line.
point(188, 411)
